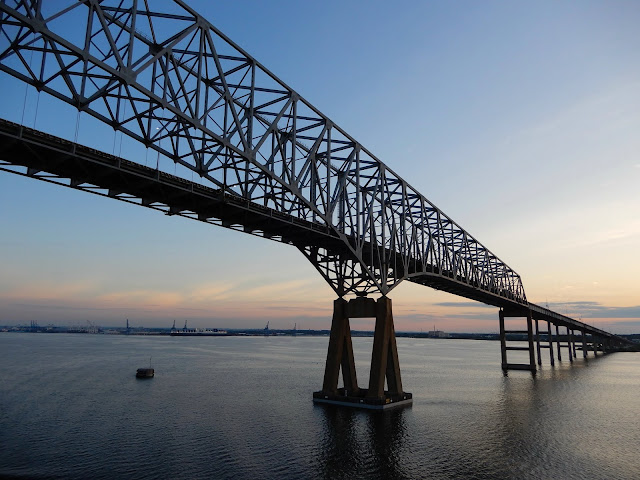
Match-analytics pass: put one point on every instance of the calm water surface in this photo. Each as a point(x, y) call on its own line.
point(240, 408)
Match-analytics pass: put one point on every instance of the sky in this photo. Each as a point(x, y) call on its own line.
point(520, 120)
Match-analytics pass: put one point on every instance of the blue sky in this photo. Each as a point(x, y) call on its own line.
point(519, 119)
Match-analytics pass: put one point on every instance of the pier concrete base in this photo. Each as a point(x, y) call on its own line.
point(362, 400)
point(384, 359)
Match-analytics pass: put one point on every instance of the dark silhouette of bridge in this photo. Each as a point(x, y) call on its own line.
point(267, 162)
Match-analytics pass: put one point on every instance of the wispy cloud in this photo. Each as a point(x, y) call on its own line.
point(590, 309)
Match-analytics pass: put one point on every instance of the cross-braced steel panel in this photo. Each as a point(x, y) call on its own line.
point(163, 75)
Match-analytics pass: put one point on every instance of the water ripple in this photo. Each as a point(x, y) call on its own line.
point(241, 408)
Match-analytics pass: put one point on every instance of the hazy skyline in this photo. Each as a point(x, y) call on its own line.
point(519, 120)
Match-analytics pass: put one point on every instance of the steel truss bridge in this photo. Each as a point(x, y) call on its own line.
point(267, 162)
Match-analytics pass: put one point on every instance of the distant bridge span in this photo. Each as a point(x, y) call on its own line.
point(267, 163)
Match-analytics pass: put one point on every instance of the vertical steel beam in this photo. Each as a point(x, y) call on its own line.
point(569, 342)
point(550, 334)
point(538, 343)
point(503, 342)
point(573, 343)
point(558, 342)
point(532, 356)
point(584, 344)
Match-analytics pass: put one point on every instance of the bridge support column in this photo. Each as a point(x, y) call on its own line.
point(569, 342)
point(384, 359)
point(550, 335)
point(558, 342)
point(538, 343)
point(573, 345)
point(504, 348)
point(584, 344)
point(340, 353)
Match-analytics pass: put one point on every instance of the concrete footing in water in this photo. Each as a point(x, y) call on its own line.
point(361, 400)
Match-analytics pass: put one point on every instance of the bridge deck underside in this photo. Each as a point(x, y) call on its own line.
point(52, 159)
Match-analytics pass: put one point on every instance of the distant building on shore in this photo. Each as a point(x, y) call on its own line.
point(437, 333)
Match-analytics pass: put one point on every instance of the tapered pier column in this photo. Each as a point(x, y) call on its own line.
point(384, 359)
point(340, 353)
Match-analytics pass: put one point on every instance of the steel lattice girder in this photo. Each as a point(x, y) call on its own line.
point(170, 80)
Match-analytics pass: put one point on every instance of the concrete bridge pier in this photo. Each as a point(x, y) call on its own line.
point(384, 359)
point(549, 344)
point(538, 343)
point(504, 348)
point(550, 338)
point(569, 344)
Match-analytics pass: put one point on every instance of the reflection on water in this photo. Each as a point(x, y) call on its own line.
point(357, 442)
point(70, 407)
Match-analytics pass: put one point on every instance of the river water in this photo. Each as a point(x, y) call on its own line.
point(240, 408)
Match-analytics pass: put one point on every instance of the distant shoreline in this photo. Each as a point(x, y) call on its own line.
point(253, 332)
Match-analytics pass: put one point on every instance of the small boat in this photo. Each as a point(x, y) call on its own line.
point(145, 373)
